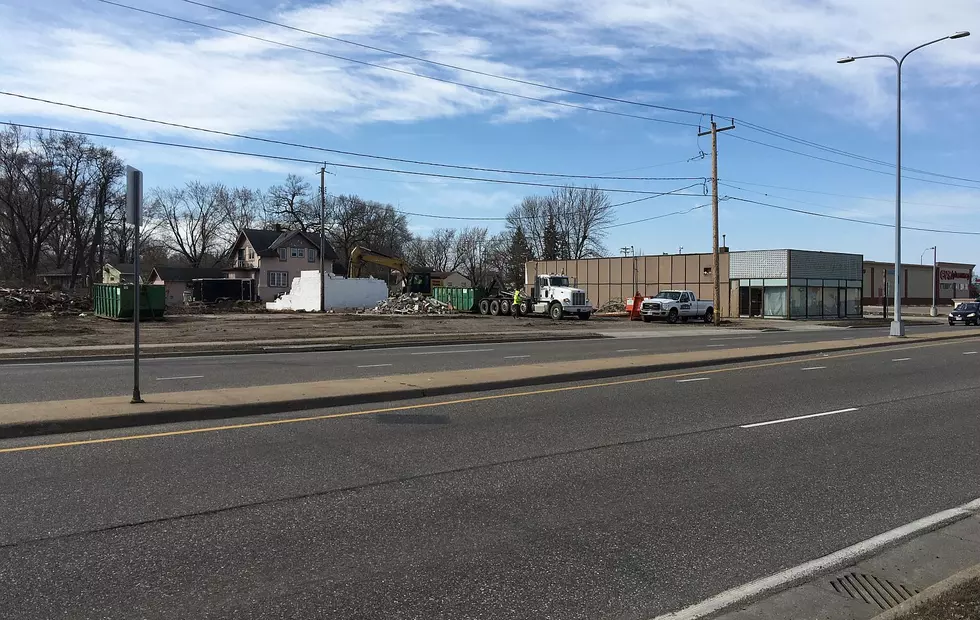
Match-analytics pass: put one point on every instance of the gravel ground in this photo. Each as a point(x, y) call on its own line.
point(961, 603)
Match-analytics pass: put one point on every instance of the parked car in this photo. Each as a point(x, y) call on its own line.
point(968, 313)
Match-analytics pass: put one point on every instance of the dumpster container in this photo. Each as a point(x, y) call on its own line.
point(462, 299)
point(115, 301)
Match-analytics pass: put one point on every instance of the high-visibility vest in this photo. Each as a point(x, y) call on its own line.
point(517, 297)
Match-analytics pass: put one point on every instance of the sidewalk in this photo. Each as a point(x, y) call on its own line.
point(37, 418)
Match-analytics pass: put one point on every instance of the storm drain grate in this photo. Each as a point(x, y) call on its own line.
point(872, 590)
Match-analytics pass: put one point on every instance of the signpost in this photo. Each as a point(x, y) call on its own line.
point(134, 215)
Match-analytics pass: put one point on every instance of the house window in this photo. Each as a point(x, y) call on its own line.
point(296, 252)
point(278, 279)
point(251, 254)
point(282, 254)
point(311, 255)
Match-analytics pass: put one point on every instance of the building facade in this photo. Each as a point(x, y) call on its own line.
point(952, 281)
point(273, 259)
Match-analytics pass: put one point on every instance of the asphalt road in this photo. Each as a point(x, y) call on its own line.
point(605, 500)
point(71, 380)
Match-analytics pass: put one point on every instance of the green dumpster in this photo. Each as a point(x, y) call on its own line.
point(115, 301)
point(462, 299)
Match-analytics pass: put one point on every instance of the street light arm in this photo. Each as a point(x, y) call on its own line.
point(919, 47)
point(895, 60)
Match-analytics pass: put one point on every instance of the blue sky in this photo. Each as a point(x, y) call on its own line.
point(768, 62)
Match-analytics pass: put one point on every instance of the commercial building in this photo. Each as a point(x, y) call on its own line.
point(952, 281)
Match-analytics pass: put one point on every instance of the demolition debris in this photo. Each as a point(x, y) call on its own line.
point(23, 300)
point(411, 304)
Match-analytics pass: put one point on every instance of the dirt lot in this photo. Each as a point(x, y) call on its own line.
point(44, 330)
point(961, 603)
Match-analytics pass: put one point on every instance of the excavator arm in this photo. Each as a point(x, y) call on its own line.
point(361, 256)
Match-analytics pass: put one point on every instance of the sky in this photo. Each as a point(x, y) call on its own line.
point(768, 64)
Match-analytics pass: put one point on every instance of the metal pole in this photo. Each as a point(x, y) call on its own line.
point(897, 327)
point(935, 284)
point(323, 216)
point(715, 254)
point(134, 208)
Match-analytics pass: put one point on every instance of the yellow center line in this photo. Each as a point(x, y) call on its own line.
point(474, 399)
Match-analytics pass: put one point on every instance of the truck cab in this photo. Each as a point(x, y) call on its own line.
point(554, 295)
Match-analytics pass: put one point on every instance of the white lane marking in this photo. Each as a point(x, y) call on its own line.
point(786, 341)
point(799, 417)
point(516, 357)
point(626, 350)
point(373, 365)
point(813, 368)
point(827, 563)
point(694, 379)
point(901, 359)
point(738, 338)
point(180, 378)
point(969, 353)
point(448, 351)
point(716, 345)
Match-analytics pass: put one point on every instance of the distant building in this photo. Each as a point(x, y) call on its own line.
point(176, 280)
point(271, 258)
point(118, 273)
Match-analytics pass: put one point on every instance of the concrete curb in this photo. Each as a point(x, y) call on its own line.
point(294, 348)
point(930, 593)
point(214, 411)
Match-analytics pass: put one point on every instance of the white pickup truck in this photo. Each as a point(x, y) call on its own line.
point(676, 305)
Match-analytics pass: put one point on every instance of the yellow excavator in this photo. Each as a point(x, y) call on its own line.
point(412, 281)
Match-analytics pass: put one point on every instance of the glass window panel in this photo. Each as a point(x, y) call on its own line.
point(774, 302)
point(814, 301)
point(798, 281)
point(756, 282)
point(853, 306)
point(829, 301)
point(797, 302)
point(775, 282)
point(854, 284)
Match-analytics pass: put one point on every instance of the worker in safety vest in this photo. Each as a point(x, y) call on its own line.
point(516, 306)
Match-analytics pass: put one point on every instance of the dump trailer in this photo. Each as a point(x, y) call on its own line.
point(213, 290)
point(551, 295)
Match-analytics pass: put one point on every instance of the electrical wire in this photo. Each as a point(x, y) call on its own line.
point(813, 191)
point(442, 64)
point(228, 134)
point(319, 162)
point(656, 217)
point(843, 163)
point(851, 219)
point(394, 69)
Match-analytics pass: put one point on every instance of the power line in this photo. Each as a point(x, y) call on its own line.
point(417, 162)
point(813, 191)
point(829, 149)
point(394, 69)
point(656, 217)
point(842, 163)
point(851, 219)
point(443, 64)
point(319, 162)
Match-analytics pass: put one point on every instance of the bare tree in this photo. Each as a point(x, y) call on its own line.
point(437, 250)
point(291, 205)
point(357, 222)
point(567, 224)
point(193, 217)
point(243, 209)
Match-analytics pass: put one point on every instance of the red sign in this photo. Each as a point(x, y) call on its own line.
point(947, 275)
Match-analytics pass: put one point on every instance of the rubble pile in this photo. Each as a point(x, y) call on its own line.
point(613, 305)
point(411, 303)
point(26, 300)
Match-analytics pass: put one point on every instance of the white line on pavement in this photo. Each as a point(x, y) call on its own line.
point(969, 353)
point(715, 345)
point(626, 350)
point(813, 368)
point(695, 379)
point(786, 341)
point(373, 365)
point(448, 351)
point(799, 417)
point(834, 561)
point(179, 378)
point(901, 359)
point(516, 357)
point(738, 338)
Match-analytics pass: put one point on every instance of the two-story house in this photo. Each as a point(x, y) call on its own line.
point(272, 258)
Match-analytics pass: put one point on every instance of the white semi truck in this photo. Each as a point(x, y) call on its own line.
point(551, 295)
point(676, 305)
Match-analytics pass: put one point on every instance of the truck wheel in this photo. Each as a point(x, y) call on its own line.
point(484, 307)
point(525, 308)
point(646, 319)
point(672, 316)
point(495, 307)
point(709, 315)
point(504, 307)
point(584, 316)
point(556, 312)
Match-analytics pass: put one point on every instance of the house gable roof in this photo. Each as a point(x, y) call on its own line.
point(123, 268)
point(267, 242)
point(185, 274)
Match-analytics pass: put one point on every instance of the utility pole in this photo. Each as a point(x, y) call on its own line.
point(715, 256)
point(134, 214)
point(323, 242)
point(935, 284)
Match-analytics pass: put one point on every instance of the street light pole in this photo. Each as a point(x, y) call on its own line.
point(935, 284)
point(897, 327)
